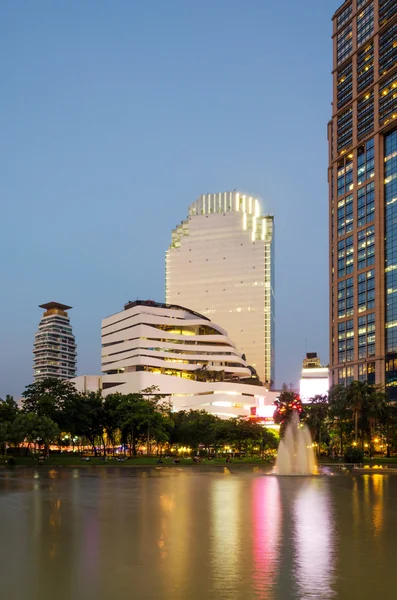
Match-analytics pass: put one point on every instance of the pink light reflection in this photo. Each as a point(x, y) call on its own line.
point(314, 541)
point(266, 534)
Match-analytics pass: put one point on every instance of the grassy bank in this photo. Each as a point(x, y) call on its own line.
point(56, 460)
point(377, 460)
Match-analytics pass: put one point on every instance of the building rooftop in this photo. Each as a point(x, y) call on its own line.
point(130, 304)
point(51, 305)
point(343, 3)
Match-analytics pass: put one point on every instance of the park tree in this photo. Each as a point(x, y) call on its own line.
point(94, 421)
point(222, 433)
point(21, 429)
point(8, 409)
point(357, 397)
point(286, 404)
point(133, 411)
point(4, 427)
point(200, 428)
point(269, 440)
point(44, 432)
point(46, 398)
point(111, 416)
point(244, 434)
point(340, 412)
point(315, 416)
point(156, 418)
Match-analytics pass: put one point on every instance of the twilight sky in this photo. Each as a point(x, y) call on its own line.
point(115, 115)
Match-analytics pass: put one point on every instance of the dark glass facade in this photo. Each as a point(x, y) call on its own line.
point(365, 24)
point(387, 49)
point(365, 67)
point(387, 10)
point(363, 194)
point(390, 151)
point(345, 84)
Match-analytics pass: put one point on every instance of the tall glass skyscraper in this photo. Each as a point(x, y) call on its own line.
point(363, 194)
point(221, 264)
point(54, 347)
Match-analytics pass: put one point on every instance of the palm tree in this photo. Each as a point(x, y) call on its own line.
point(357, 397)
point(369, 406)
point(315, 416)
point(339, 411)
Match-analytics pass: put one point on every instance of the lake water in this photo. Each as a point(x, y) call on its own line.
point(196, 534)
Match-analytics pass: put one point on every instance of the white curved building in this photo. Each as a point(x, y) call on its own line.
point(186, 356)
point(220, 262)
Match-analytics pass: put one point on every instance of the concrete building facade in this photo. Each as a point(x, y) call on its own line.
point(189, 360)
point(221, 263)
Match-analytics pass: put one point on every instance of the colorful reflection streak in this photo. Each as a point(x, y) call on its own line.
point(266, 516)
point(226, 546)
point(378, 482)
point(314, 540)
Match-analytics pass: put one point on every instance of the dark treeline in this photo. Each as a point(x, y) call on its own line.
point(357, 419)
point(354, 420)
point(53, 412)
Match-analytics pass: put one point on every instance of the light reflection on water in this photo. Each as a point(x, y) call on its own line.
point(195, 534)
point(314, 540)
point(265, 524)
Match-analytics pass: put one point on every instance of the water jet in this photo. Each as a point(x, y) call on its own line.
point(295, 454)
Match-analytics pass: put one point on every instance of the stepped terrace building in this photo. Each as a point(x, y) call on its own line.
point(220, 263)
point(54, 347)
point(363, 194)
point(191, 360)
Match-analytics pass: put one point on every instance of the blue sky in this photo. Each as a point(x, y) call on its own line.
point(115, 115)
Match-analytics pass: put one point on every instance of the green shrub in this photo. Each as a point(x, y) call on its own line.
point(353, 455)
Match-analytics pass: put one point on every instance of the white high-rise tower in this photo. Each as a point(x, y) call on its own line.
point(54, 346)
point(221, 263)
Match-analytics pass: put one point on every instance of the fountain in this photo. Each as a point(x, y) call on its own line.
point(295, 455)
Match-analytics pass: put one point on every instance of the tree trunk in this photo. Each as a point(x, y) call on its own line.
point(355, 425)
point(341, 442)
point(133, 448)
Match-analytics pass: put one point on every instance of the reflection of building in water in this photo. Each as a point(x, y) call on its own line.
point(372, 500)
point(378, 482)
point(226, 554)
point(314, 540)
point(314, 378)
point(266, 534)
point(173, 508)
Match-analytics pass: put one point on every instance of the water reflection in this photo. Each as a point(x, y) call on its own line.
point(378, 482)
point(266, 513)
point(195, 535)
point(314, 540)
point(171, 521)
point(225, 547)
